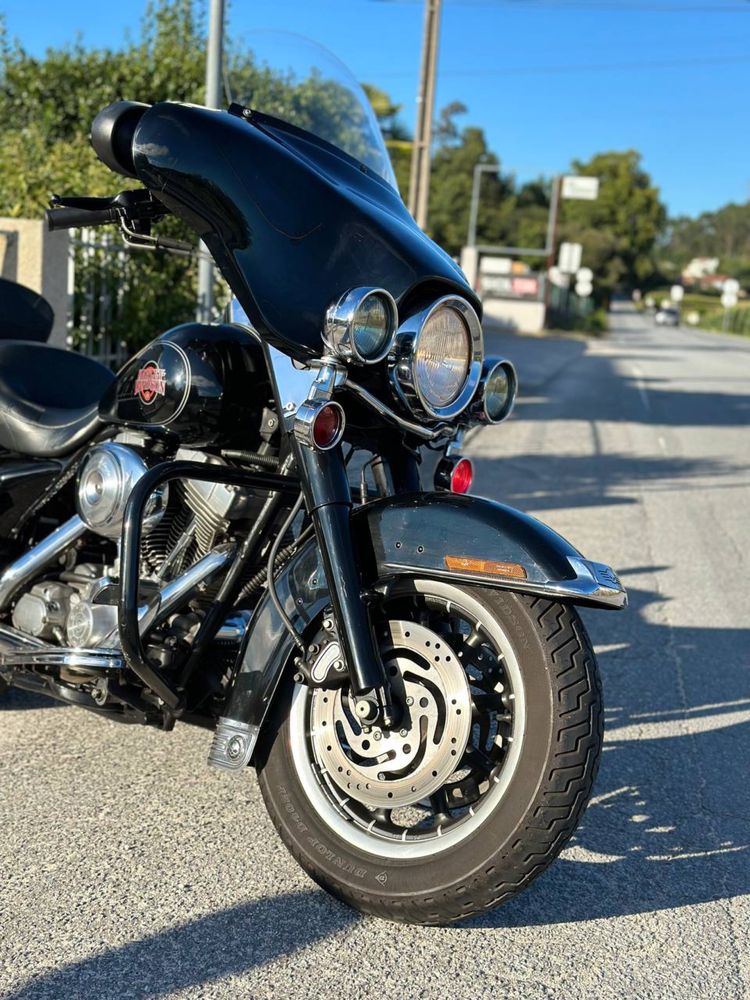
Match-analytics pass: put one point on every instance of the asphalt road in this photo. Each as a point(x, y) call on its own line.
point(128, 869)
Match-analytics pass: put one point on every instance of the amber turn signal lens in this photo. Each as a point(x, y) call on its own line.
point(465, 564)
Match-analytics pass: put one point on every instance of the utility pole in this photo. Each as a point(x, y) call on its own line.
point(479, 169)
point(214, 54)
point(419, 184)
point(554, 212)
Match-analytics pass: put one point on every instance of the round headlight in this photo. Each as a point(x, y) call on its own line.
point(497, 392)
point(361, 325)
point(438, 359)
point(442, 357)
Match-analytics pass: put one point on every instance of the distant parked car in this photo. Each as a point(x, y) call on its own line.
point(668, 317)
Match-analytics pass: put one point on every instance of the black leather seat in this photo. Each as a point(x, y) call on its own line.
point(26, 315)
point(49, 398)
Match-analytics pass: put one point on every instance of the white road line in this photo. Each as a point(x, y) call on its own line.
point(641, 387)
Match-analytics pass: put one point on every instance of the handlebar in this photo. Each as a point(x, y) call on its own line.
point(74, 217)
point(133, 211)
point(130, 208)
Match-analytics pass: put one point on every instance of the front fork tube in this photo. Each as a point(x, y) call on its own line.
point(328, 499)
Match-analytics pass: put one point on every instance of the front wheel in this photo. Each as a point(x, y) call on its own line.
point(483, 782)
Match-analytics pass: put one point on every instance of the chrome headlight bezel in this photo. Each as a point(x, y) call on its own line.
point(338, 332)
point(478, 411)
point(403, 361)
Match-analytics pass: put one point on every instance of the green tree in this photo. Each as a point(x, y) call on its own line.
point(47, 106)
point(620, 229)
point(724, 233)
point(398, 139)
point(457, 152)
point(49, 103)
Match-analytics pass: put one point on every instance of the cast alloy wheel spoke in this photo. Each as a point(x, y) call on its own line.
point(431, 783)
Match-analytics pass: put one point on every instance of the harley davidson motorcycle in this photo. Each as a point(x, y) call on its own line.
point(233, 532)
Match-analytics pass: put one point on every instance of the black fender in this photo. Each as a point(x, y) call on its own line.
point(461, 538)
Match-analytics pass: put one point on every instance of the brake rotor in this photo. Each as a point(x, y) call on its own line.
point(400, 767)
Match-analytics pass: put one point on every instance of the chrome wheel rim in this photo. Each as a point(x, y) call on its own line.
point(484, 763)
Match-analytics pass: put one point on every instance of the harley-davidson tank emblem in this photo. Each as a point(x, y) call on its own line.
point(150, 382)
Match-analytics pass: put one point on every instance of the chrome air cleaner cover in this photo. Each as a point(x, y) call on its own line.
point(106, 478)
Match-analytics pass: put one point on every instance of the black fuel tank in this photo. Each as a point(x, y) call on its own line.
point(201, 383)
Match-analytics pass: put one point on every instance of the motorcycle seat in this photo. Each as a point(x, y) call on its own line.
point(49, 398)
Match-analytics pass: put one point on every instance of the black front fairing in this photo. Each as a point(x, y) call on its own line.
point(292, 221)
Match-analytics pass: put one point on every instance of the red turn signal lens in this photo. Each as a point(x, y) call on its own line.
point(462, 476)
point(328, 426)
point(454, 474)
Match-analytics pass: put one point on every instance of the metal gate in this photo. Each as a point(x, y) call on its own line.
point(97, 285)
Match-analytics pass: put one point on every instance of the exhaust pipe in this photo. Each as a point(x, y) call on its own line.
point(33, 561)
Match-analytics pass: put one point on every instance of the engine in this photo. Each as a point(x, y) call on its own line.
point(182, 524)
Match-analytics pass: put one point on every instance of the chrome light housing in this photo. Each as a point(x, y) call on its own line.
point(106, 477)
point(497, 392)
point(437, 359)
point(361, 325)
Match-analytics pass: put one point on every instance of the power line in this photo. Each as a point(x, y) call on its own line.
point(597, 5)
point(585, 67)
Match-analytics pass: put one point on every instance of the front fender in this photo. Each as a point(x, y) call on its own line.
point(423, 535)
point(480, 541)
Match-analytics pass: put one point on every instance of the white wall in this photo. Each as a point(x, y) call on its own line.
point(515, 314)
point(34, 257)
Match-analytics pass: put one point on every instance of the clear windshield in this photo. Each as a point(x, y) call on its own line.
point(302, 83)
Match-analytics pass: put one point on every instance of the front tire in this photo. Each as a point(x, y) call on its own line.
point(481, 853)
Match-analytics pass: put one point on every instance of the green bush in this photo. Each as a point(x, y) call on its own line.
point(734, 321)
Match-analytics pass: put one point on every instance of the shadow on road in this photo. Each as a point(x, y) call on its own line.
point(568, 481)
point(14, 700)
point(635, 399)
point(219, 945)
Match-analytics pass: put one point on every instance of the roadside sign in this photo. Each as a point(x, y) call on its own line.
point(731, 286)
point(584, 289)
point(580, 188)
point(525, 285)
point(677, 292)
point(557, 278)
point(570, 257)
point(729, 300)
point(693, 318)
point(585, 274)
point(495, 285)
point(495, 265)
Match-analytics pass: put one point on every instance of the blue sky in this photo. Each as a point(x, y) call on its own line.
point(548, 80)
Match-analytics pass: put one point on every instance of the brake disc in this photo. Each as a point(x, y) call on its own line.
point(393, 768)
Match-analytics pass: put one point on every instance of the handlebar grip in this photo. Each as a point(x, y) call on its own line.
point(73, 218)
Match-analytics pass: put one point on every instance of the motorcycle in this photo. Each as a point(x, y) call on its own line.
point(233, 531)
point(27, 315)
